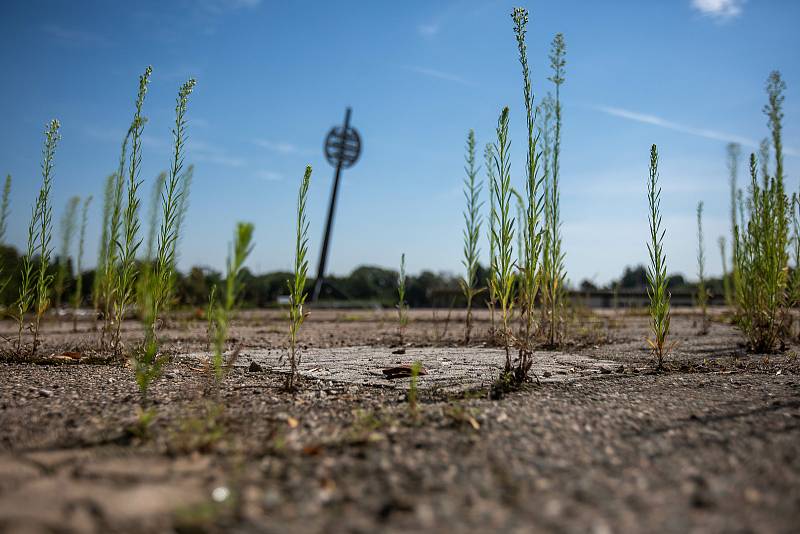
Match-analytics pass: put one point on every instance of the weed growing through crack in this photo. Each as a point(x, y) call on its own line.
point(702, 291)
point(212, 302)
point(4, 208)
point(761, 259)
point(402, 307)
point(555, 272)
point(98, 285)
point(530, 226)
point(657, 270)
point(733, 152)
point(128, 271)
point(222, 311)
point(488, 155)
point(4, 211)
point(726, 276)
point(77, 295)
point(147, 362)
point(472, 229)
point(45, 222)
point(110, 279)
point(69, 223)
point(297, 286)
point(503, 232)
point(27, 290)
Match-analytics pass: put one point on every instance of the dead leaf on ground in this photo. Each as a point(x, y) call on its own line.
point(402, 371)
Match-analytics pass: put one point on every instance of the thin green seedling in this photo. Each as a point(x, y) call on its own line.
point(545, 117)
point(472, 229)
point(153, 221)
point(402, 305)
point(488, 155)
point(45, 219)
point(297, 286)
point(154, 299)
point(128, 271)
point(110, 267)
point(212, 300)
point(154, 214)
point(702, 290)
point(27, 289)
point(223, 310)
point(503, 232)
point(98, 284)
point(69, 223)
point(555, 274)
point(733, 151)
point(657, 270)
point(77, 296)
point(530, 227)
point(4, 212)
point(727, 288)
point(4, 208)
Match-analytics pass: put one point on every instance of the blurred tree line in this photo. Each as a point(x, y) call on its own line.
point(364, 285)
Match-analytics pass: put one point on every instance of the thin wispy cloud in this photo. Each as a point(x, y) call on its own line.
point(73, 36)
point(269, 176)
point(691, 130)
point(720, 10)
point(428, 30)
point(208, 153)
point(281, 147)
point(441, 75)
point(220, 6)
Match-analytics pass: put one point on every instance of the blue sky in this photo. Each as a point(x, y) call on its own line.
point(274, 76)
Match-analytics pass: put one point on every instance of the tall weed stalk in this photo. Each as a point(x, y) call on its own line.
point(503, 232)
point(69, 223)
point(702, 290)
point(555, 273)
point(45, 220)
point(77, 296)
point(223, 310)
point(657, 270)
point(531, 227)
point(297, 286)
point(128, 270)
point(402, 305)
point(472, 229)
point(147, 362)
point(488, 155)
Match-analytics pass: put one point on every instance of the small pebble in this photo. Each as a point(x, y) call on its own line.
point(45, 393)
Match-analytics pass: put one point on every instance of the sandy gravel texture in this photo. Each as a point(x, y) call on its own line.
point(710, 445)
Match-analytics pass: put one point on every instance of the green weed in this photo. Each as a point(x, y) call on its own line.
point(657, 270)
point(702, 290)
point(297, 286)
point(77, 295)
point(472, 229)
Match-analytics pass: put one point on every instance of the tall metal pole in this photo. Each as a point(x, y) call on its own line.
point(331, 208)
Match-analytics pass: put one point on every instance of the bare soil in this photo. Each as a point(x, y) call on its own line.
point(599, 443)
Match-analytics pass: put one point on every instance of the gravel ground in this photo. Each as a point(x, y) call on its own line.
point(710, 445)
